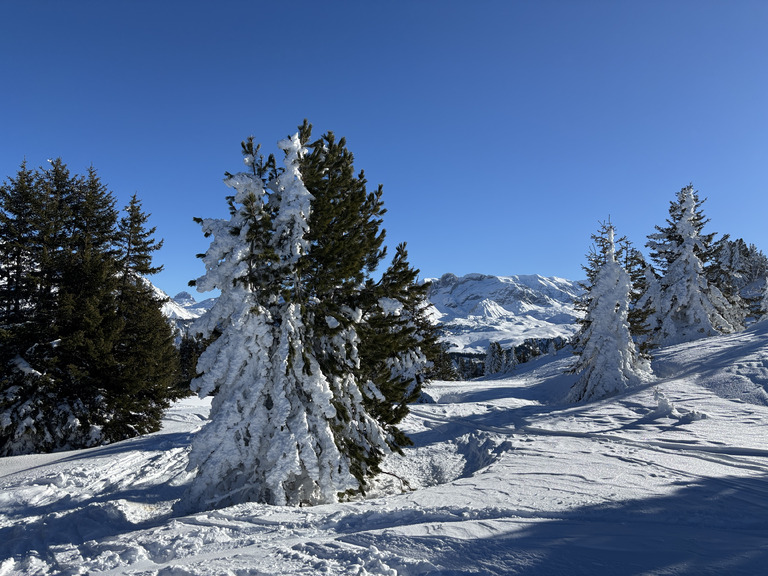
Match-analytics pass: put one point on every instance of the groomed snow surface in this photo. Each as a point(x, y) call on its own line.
point(504, 478)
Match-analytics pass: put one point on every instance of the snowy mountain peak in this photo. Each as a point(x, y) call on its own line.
point(185, 299)
point(475, 309)
point(478, 309)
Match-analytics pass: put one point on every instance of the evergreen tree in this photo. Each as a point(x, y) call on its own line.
point(65, 368)
point(648, 303)
point(664, 243)
point(608, 361)
point(18, 223)
point(494, 359)
point(87, 322)
point(136, 242)
point(50, 242)
point(738, 271)
point(146, 376)
point(398, 343)
point(443, 367)
point(295, 431)
point(345, 246)
point(688, 307)
point(634, 263)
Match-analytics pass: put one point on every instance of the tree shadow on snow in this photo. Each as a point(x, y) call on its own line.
point(716, 526)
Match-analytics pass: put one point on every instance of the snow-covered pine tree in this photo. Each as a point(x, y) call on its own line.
point(295, 432)
point(633, 262)
point(689, 307)
point(738, 270)
point(345, 247)
point(494, 359)
point(608, 361)
point(764, 304)
point(237, 360)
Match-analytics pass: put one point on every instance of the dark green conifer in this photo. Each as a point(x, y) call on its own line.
point(87, 323)
point(18, 223)
point(88, 356)
point(147, 374)
point(397, 343)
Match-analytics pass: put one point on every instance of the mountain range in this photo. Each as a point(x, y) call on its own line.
point(473, 310)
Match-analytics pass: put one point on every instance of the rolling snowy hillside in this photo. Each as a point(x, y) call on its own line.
point(477, 309)
point(504, 478)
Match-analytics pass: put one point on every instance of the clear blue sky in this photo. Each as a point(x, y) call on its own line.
point(502, 131)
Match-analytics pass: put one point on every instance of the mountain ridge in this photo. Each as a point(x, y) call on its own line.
point(473, 310)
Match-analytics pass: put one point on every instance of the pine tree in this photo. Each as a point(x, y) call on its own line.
point(738, 271)
point(641, 304)
point(689, 307)
point(632, 260)
point(398, 344)
point(26, 414)
point(146, 376)
point(648, 303)
point(608, 361)
point(345, 247)
point(295, 426)
point(18, 221)
point(665, 241)
point(494, 359)
point(81, 370)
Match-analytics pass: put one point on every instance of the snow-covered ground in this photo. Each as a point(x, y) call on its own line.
point(503, 479)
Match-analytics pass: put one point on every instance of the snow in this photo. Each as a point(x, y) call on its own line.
point(504, 478)
point(608, 361)
point(478, 309)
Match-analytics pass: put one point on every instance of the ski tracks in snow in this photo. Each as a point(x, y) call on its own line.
point(504, 478)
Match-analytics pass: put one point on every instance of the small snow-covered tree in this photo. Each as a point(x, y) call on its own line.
point(764, 304)
point(494, 359)
point(648, 304)
point(608, 361)
point(689, 306)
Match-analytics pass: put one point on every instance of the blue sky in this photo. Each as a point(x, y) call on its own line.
point(503, 132)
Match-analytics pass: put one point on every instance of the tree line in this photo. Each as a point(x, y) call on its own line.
point(312, 353)
point(86, 356)
point(693, 287)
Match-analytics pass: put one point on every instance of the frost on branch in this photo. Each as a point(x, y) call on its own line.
point(283, 428)
point(608, 361)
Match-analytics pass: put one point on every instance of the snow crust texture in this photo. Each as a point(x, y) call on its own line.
point(505, 478)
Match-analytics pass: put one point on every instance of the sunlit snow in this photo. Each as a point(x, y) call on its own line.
point(504, 478)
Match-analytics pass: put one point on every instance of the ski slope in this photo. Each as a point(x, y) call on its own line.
point(503, 479)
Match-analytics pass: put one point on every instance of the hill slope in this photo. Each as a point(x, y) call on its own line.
point(503, 479)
